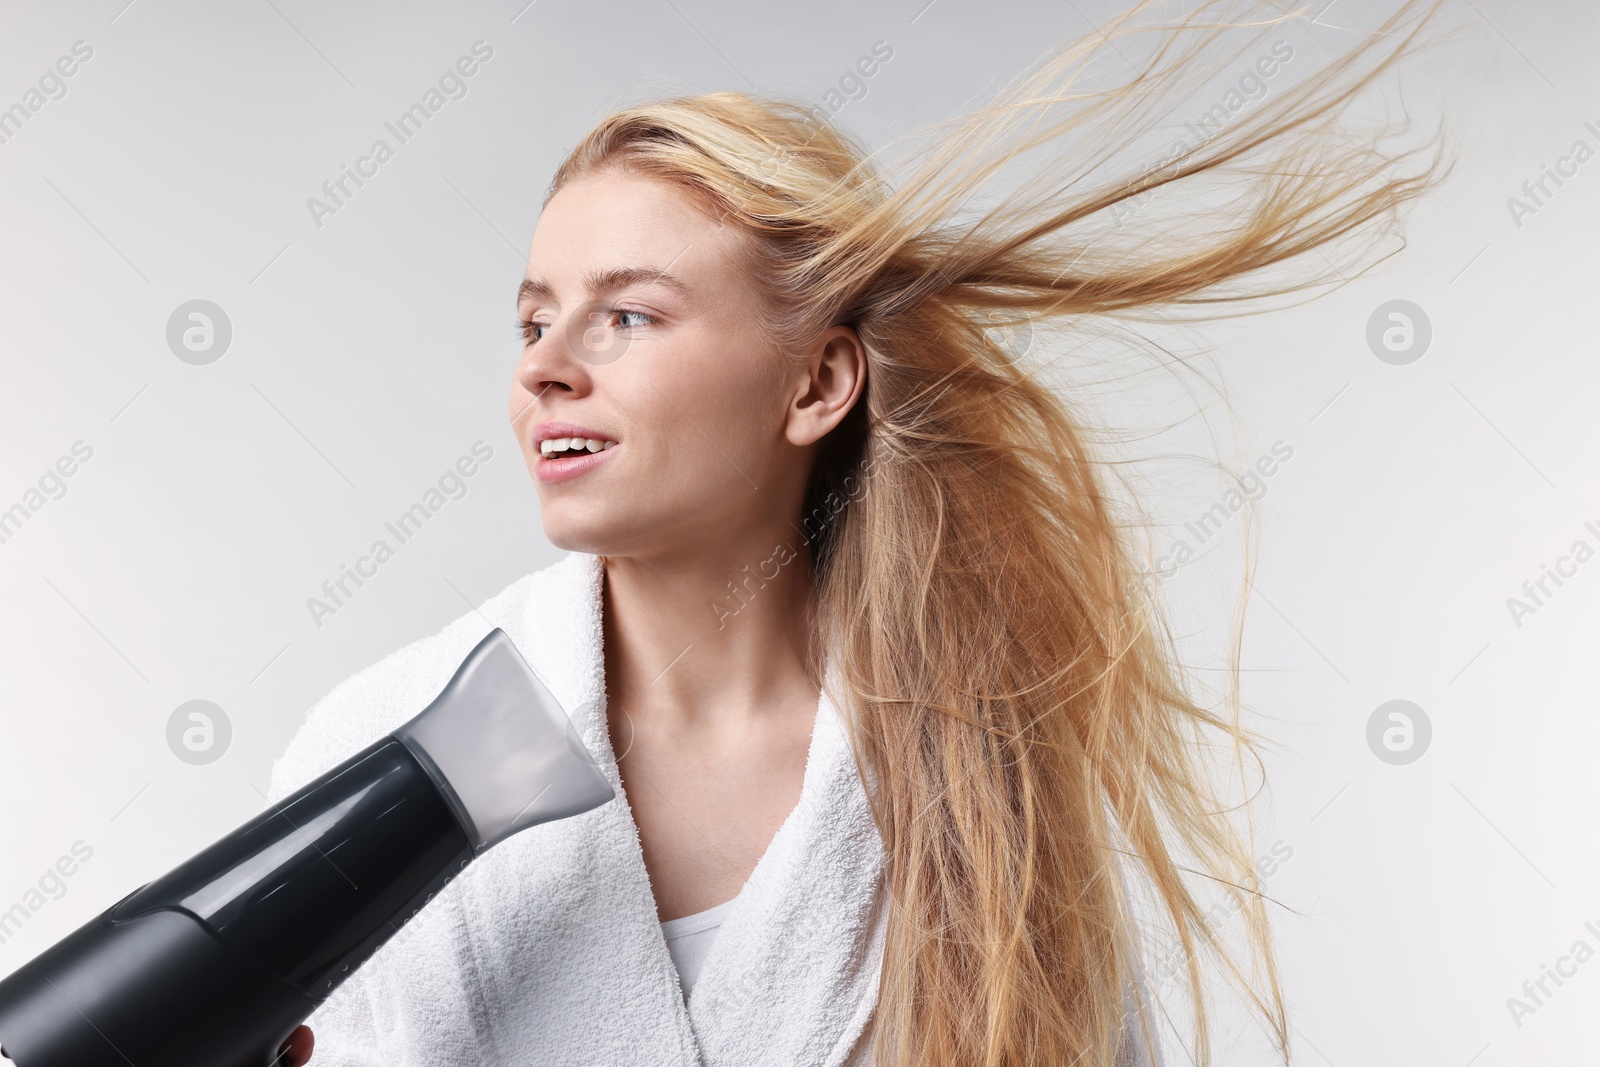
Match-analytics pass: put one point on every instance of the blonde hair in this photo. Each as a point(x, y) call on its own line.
point(1013, 699)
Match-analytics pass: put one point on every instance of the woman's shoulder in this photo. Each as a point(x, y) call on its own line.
point(383, 695)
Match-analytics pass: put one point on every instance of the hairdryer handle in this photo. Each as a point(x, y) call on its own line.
point(97, 1005)
point(216, 962)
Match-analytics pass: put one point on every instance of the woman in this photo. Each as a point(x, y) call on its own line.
point(848, 613)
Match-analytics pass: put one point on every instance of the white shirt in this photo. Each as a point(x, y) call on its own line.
point(689, 939)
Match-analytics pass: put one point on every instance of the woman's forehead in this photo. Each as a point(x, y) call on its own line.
point(623, 228)
point(625, 208)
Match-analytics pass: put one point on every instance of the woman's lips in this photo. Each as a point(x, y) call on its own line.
point(559, 469)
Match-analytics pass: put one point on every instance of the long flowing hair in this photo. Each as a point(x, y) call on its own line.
point(1011, 689)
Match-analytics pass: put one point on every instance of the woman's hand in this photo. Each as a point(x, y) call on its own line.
point(297, 1050)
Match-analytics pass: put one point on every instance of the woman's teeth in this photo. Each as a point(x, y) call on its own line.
point(557, 445)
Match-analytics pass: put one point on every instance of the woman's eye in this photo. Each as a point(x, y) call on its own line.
point(534, 331)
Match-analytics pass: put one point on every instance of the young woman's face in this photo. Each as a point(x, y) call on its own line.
point(643, 332)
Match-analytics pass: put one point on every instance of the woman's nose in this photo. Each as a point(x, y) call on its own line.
point(551, 362)
point(571, 347)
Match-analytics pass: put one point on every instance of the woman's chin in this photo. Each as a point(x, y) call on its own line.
point(566, 542)
point(577, 537)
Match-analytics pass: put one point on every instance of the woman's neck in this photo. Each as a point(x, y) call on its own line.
point(709, 638)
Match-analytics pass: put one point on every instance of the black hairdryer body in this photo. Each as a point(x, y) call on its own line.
point(216, 962)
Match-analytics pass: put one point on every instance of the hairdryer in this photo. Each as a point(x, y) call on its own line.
point(216, 962)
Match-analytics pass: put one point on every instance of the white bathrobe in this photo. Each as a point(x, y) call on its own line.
point(547, 952)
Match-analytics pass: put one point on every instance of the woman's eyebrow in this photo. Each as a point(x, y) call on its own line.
point(604, 281)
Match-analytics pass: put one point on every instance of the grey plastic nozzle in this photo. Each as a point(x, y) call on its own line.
point(503, 748)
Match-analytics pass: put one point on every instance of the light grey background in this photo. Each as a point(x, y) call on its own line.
point(371, 352)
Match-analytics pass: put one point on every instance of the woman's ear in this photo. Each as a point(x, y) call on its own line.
point(831, 376)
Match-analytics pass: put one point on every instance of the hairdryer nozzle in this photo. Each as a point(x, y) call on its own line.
point(503, 748)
